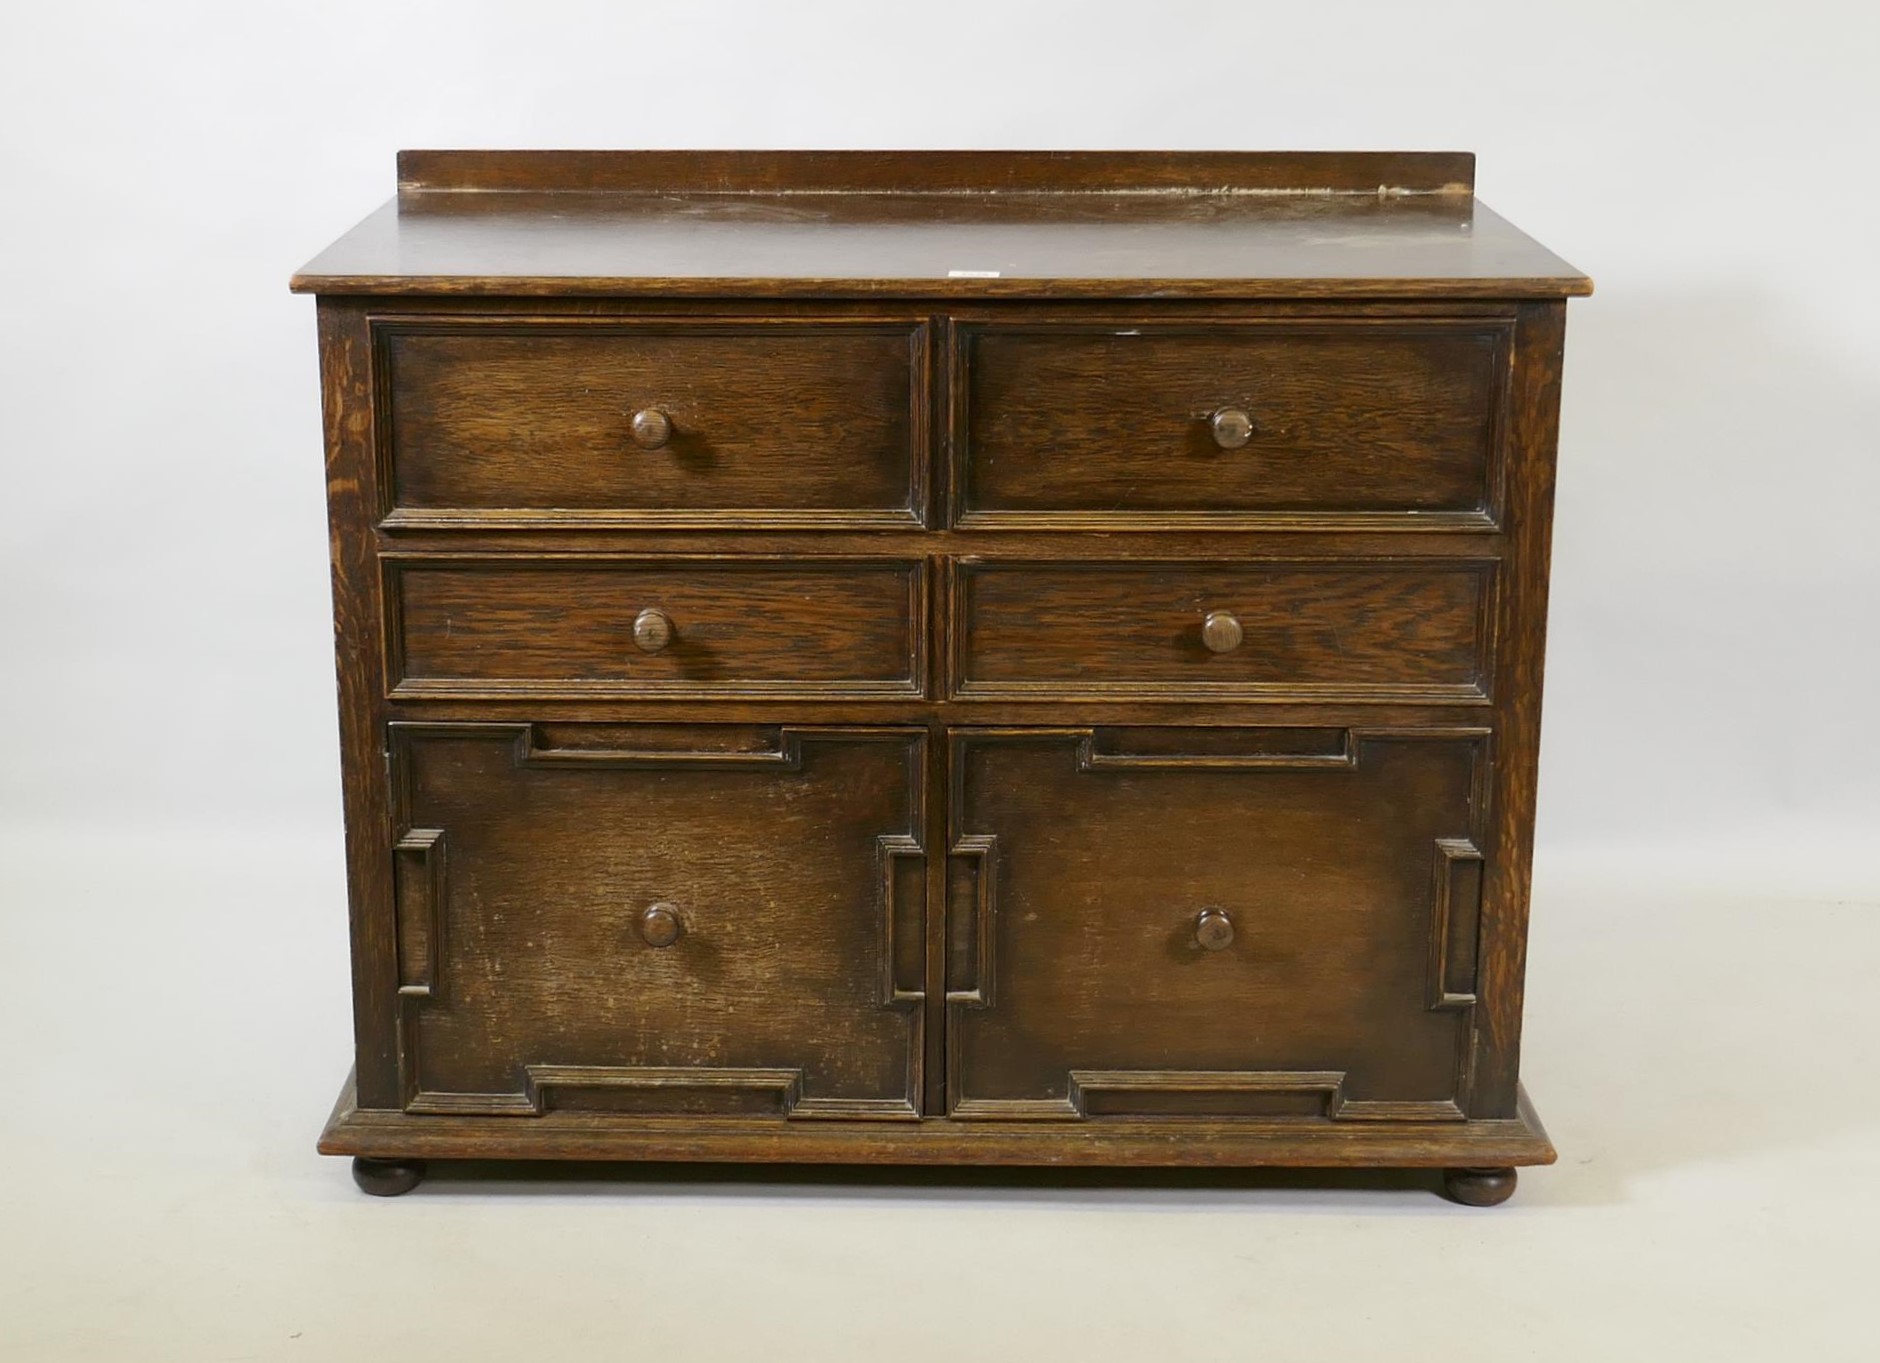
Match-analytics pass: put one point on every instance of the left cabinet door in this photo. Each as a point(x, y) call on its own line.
point(659, 919)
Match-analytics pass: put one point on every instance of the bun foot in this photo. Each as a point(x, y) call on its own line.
point(387, 1177)
point(1479, 1187)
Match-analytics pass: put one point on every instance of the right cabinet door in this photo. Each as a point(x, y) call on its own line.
point(1262, 923)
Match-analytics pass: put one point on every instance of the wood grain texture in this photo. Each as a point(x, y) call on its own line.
point(824, 423)
point(1522, 623)
point(795, 988)
point(352, 491)
point(1338, 629)
point(1107, 422)
point(706, 551)
point(1520, 1140)
point(543, 627)
point(926, 225)
point(1079, 988)
point(1046, 247)
point(662, 173)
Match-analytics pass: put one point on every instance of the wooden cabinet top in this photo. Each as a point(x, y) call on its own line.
point(961, 225)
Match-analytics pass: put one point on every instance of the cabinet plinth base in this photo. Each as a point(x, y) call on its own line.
point(1469, 1151)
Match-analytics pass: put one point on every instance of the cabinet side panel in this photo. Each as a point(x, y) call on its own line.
point(353, 497)
point(1521, 627)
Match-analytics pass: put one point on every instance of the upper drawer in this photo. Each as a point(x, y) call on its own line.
point(592, 626)
point(653, 422)
point(1374, 422)
point(1349, 629)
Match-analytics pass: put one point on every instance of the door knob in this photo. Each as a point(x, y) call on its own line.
point(652, 630)
point(1214, 930)
point(652, 428)
point(661, 925)
point(1221, 632)
point(1231, 428)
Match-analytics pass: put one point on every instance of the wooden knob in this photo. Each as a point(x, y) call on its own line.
point(1221, 632)
point(652, 630)
point(661, 926)
point(1231, 428)
point(1214, 930)
point(652, 428)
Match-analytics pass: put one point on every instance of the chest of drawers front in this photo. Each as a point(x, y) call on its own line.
point(921, 729)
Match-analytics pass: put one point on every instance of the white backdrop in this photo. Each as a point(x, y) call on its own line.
point(173, 980)
point(1714, 655)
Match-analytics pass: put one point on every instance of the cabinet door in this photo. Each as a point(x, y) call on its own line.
point(1266, 923)
point(659, 919)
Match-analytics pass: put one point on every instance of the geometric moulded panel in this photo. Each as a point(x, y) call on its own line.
point(1246, 923)
point(660, 919)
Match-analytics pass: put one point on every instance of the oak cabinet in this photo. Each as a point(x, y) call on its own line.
point(939, 657)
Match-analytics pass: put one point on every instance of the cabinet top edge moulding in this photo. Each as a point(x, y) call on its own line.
point(940, 224)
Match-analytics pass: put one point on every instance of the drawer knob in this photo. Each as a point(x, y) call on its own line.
point(1221, 632)
point(661, 925)
point(1231, 428)
point(1214, 930)
point(652, 428)
point(652, 630)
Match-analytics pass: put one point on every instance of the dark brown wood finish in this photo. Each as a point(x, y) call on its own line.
point(1098, 424)
point(592, 422)
point(1080, 979)
point(713, 540)
point(387, 1177)
point(1340, 629)
point(1522, 621)
point(1480, 1187)
point(629, 920)
point(655, 626)
point(956, 225)
point(926, 173)
point(352, 489)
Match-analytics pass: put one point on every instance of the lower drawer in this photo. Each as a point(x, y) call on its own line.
point(715, 628)
point(659, 920)
point(1413, 629)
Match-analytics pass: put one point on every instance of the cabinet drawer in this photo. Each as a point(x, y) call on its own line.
point(1412, 629)
point(655, 919)
point(1381, 422)
point(1252, 923)
point(651, 423)
point(590, 626)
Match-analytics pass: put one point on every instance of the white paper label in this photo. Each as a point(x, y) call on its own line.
point(972, 274)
